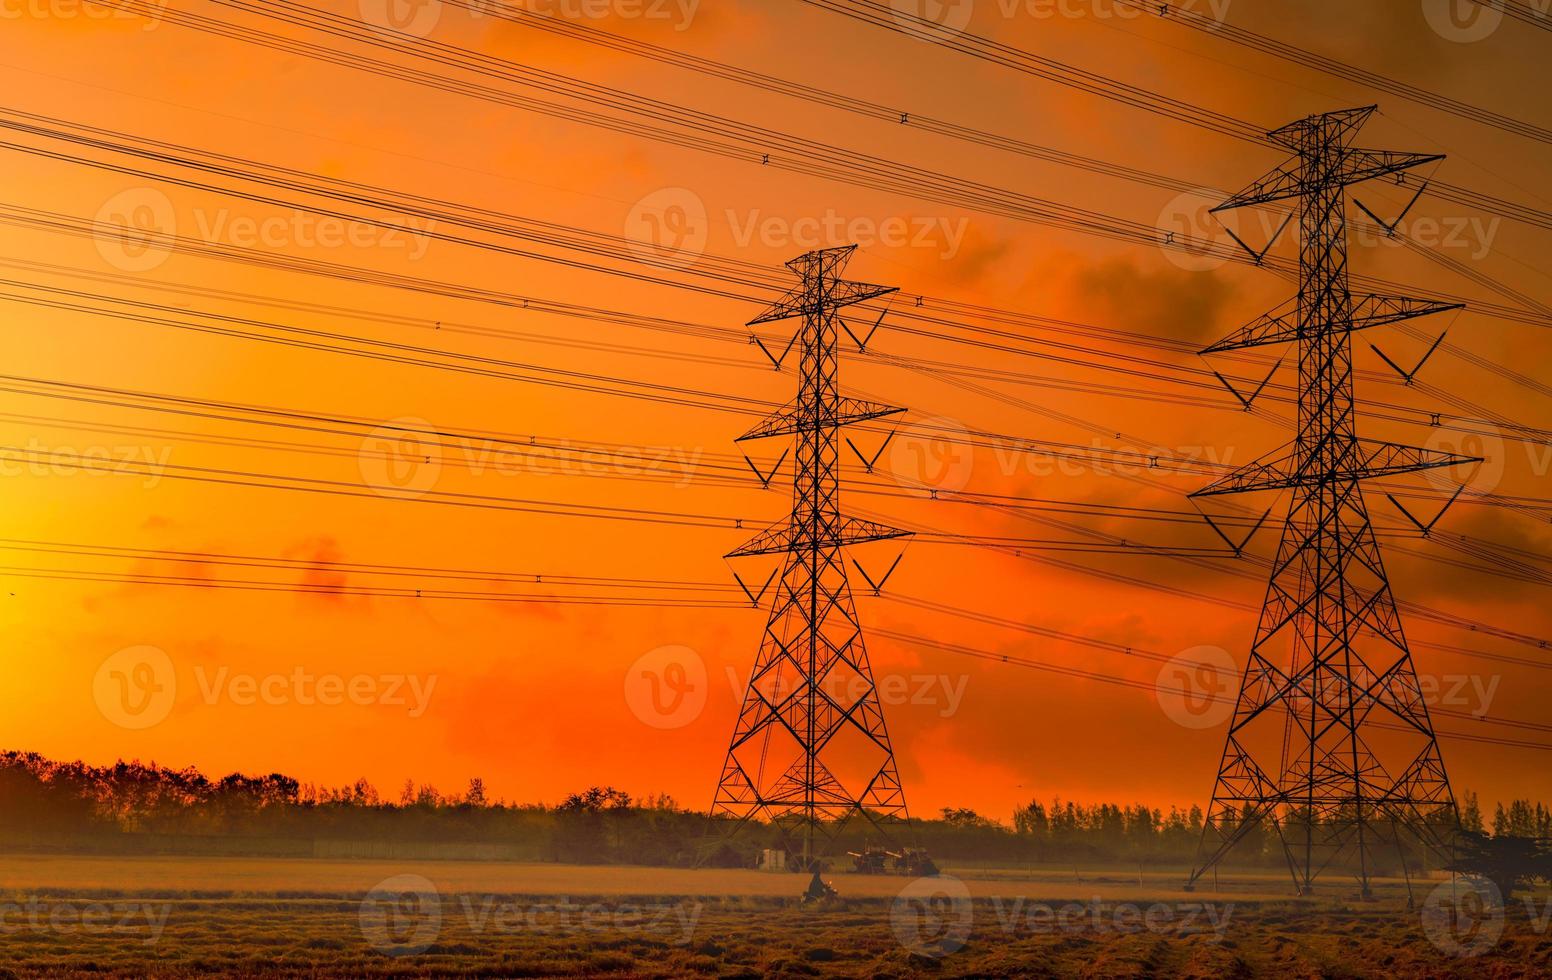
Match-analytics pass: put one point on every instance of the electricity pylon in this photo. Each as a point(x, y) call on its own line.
point(1330, 742)
point(810, 749)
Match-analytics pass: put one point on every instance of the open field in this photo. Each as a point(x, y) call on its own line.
point(178, 917)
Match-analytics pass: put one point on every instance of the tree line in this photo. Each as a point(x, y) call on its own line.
point(125, 806)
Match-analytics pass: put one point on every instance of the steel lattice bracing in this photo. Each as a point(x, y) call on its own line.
point(810, 750)
point(1330, 745)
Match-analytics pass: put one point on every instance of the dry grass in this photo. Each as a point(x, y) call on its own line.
point(305, 919)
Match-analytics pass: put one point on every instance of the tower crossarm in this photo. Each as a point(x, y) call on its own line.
point(1359, 165)
point(1372, 460)
point(794, 418)
point(1356, 165)
point(787, 536)
point(839, 293)
point(1279, 185)
point(1369, 310)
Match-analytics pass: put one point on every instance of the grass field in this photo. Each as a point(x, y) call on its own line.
point(183, 917)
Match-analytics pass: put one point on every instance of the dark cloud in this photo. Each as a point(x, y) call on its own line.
point(1169, 303)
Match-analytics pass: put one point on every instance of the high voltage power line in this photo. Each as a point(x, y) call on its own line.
point(1104, 677)
point(723, 271)
point(757, 148)
point(894, 114)
point(317, 340)
point(1184, 15)
point(729, 280)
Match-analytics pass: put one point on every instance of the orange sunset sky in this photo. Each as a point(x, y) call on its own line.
point(540, 698)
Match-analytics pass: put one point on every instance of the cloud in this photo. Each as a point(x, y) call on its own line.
point(1169, 303)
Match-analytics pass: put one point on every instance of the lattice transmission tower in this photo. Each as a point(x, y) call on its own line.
point(1330, 743)
point(810, 750)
